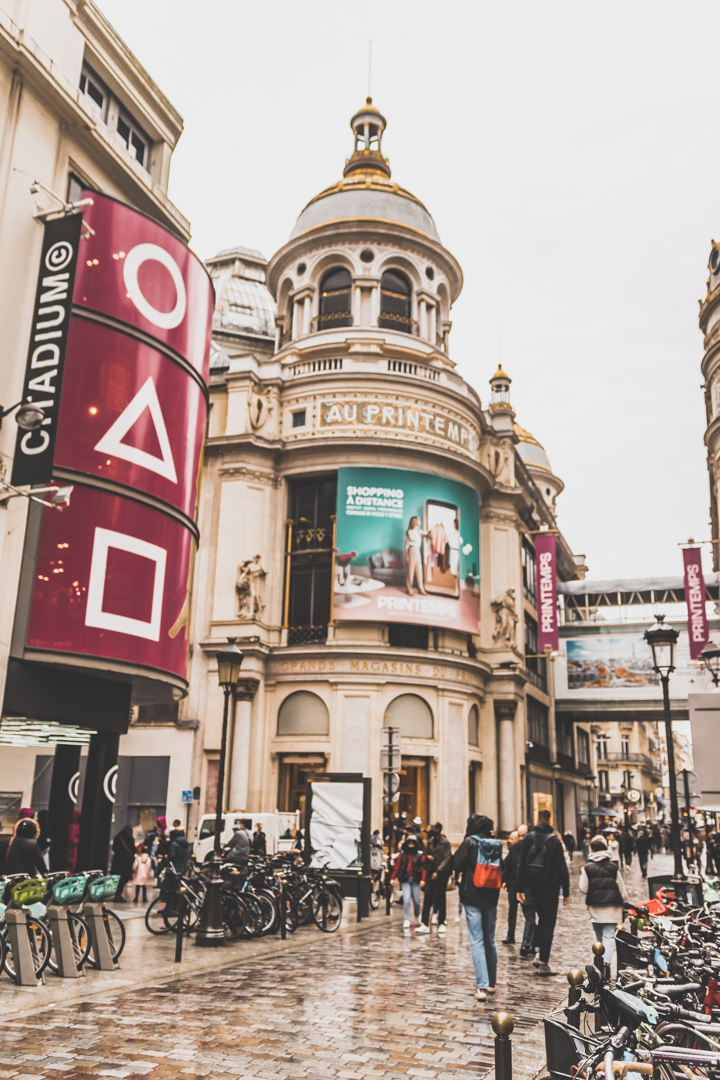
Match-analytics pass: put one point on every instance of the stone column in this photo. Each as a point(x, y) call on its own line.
point(239, 756)
point(508, 776)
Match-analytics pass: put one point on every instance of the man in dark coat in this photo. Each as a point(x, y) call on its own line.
point(643, 844)
point(542, 874)
point(22, 853)
point(123, 847)
point(438, 863)
point(179, 850)
point(259, 841)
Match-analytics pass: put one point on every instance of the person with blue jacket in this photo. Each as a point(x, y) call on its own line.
point(478, 861)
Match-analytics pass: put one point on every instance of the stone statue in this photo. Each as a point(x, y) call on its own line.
point(250, 586)
point(506, 619)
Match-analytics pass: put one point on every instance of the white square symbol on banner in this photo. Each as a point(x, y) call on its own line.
point(123, 624)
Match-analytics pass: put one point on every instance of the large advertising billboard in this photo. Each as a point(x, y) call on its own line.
point(408, 549)
point(111, 571)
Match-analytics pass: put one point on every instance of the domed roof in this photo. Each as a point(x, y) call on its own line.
point(530, 450)
point(243, 302)
point(366, 191)
point(370, 196)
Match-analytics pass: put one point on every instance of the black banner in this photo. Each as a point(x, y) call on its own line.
point(34, 450)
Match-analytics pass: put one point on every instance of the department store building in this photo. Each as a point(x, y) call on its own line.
point(368, 526)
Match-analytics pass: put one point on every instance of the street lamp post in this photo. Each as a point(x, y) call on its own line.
point(662, 640)
point(710, 657)
point(211, 931)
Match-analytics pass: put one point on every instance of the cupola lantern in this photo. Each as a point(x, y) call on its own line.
point(368, 126)
point(500, 386)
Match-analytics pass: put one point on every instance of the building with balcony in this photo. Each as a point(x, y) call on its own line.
point(368, 529)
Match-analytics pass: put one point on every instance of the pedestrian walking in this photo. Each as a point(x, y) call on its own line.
point(479, 861)
point(438, 865)
point(643, 846)
point(142, 869)
point(656, 839)
point(73, 839)
point(626, 845)
point(238, 848)
point(509, 880)
point(409, 871)
point(605, 891)
point(122, 860)
point(22, 853)
point(610, 835)
point(570, 844)
point(179, 852)
point(543, 874)
point(586, 837)
point(259, 841)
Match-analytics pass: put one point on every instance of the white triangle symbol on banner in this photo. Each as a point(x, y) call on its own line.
point(111, 442)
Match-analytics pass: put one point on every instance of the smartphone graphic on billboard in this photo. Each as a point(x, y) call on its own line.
point(441, 554)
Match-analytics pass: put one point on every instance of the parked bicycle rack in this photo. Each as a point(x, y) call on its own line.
point(20, 944)
point(103, 888)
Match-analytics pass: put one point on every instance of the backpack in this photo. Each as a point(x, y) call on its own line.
point(537, 866)
point(487, 873)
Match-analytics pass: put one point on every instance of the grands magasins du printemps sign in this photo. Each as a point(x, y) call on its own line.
point(118, 361)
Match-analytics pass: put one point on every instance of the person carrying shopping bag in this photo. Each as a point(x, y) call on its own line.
point(479, 862)
point(409, 871)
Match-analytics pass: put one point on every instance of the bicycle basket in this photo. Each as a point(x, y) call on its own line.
point(104, 888)
point(29, 892)
point(70, 890)
point(565, 1047)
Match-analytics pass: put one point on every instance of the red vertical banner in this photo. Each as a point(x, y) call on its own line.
point(698, 629)
point(547, 605)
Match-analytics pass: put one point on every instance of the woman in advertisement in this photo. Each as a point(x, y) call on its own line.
point(413, 558)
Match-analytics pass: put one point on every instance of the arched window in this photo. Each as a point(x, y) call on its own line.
point(303, 713)
point(335, 300)
point(412, 715)
point(395, 302)
point(474, 726)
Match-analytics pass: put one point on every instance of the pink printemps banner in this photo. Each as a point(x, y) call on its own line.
point(698, 629)
point(547, 606)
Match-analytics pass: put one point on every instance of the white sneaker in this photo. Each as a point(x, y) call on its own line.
point(406, 924)
point(433, 917)
point(422, 929)
point(442, 929)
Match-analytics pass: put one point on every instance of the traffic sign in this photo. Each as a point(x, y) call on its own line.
point(633, 796)
point(394, 782)
point(391, 752)
point(187, 796)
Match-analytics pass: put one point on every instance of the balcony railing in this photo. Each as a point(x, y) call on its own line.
point(641, 759)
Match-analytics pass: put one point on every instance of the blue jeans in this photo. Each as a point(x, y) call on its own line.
point(483, 950)
point(411, 891)
point(605, 932)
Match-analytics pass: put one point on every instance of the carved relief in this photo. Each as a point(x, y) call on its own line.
point(498, 459)
point(250, 588)
point(506, 619)
point(259, 406)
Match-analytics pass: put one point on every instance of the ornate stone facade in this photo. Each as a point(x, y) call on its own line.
point(360, 374)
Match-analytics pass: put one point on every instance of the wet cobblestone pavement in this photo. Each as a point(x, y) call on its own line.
point(383, 1003)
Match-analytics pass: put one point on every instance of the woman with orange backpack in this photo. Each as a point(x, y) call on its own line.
point(479, 862)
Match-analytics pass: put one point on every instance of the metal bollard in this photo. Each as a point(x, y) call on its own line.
point(283, 910)
point(575, 977)
point(63, 943)
point(20, 945)
point(180, 927)
point(599, 949)
point(93, 916)
point(502, 1025)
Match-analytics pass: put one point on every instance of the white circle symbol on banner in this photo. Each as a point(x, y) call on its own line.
point(141, 253)
point(59, 255)
point(110, 783)
point(74, 786)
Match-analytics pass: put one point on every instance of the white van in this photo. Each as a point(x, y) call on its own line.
point(277, 828)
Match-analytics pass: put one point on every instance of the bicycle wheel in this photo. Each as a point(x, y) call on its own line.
point(40, 947)
point(291, 915)
point(327, 911)
point(254, 917)
point(234, 916)
point(192, 915)
point(80, 937)
point(269, 909)
point(155, 917)
point(115, 934)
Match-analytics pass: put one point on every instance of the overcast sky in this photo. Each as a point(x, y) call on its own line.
point(567, 151)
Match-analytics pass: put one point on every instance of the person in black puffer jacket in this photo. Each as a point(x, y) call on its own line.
point(22, 854)
point(605, 891)
point(542, 874)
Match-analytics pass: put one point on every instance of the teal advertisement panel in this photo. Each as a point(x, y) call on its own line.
point(408, 549)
